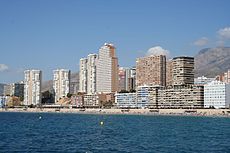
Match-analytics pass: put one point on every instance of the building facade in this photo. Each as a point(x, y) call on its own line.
point(107, 69)
point(151, 71)
point(91, 73)
point(61, 83)
point(217, 95)
point(183, 70)
point(32, 87)
point(126, 100)
point(83, 75)
point(203, 80)
point(188, 96)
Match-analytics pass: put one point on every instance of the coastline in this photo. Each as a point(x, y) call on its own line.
point(167, 112)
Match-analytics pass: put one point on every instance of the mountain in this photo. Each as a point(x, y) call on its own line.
point(210, 62)
point(2, 88)
point(48, 85)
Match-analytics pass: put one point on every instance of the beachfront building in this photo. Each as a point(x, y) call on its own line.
point(91, 100)
point(83, 75)
point(151, 70)
point(182, 70)
point(32, 87)
point(3, 101)
point(61, 83)
point(107, 69)
point(126, 100)
point(217, 95)
point(77, 100)
point(188, 96)
point(169, 68)
point(147, 96)
point(203, 80)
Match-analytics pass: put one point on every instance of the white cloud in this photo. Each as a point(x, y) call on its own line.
point(3, 67)
point(201, 42)
point(157, 50)
point(224, 33)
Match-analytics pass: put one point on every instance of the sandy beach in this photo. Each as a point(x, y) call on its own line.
point(183, 112)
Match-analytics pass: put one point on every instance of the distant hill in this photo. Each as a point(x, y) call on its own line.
point(2, 88)
point(210, 62)
point(48, 85)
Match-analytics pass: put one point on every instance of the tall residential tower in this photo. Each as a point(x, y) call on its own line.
point(107, 69)
point(61, 83)
point(32, 88)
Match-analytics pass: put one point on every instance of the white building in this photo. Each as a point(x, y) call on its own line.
point(203, 80)
point(32, 87)
point(91, 100)
point(61, 83)
point(91, 73)
point(126, 100)
point(107, 69)
point(83, 75)
point(217, 95)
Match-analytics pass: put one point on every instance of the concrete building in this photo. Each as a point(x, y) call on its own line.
point(183, 70)
point(83, 75)
point(122, 78)
point(91, 100)
point(77, 100)
point(169, 69)
point(151, 71)
point(147, 96)
point(32, 87)
point(91, 73)
point(224, 77)
point(203, 80)
point(217, 95)
point(126, 100)
point(14, 89)
point(188, 96)
point(61, 83)
point(107, 69)
point(126, 79)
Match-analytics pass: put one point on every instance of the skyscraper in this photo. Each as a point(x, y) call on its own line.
point(32, 88)
point(91, 73)
point(83, 75)
point(61, 83)
point(107, 69)
point(183, 70)
point(151, 70)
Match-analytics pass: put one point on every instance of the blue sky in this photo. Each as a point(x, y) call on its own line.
point(51, 34)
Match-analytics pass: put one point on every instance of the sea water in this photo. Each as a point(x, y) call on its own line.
point(59, 132)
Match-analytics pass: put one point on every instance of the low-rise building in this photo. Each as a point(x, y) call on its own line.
point(188, 96)
point(126, 100)
point(217, 95)
point(77, 100)
point(203, 80)
point(91, 100)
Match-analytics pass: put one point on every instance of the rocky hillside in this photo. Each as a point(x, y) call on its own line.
point(210, 62)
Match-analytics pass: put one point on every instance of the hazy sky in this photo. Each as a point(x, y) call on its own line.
point(51, 34)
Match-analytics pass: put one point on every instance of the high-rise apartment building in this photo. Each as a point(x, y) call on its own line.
point(122, 78)
point(83, 75)
point(14, 89)
point(151, 70)
point(32, 87)
point(107, 69)
point(169, 68)
point(91, 73)
point(183, 70)
point(61, 83)
point(88, 74)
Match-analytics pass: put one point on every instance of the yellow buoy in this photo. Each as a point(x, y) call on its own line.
point(101, 122)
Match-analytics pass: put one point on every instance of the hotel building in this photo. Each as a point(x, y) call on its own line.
point(151, 71)
point(32, 88)
point(107, 69)
point(61, 83)
point(91, 73)
point(217, 95)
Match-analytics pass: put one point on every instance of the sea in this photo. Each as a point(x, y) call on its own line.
point(85, 133)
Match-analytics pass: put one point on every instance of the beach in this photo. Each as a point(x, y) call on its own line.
point(183, 112)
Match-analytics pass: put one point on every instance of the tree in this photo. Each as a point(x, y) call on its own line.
point(69, 95)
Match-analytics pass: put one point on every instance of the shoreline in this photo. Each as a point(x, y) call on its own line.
point(150, 112)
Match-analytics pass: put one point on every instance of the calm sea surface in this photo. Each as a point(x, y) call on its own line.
point(54, 132)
